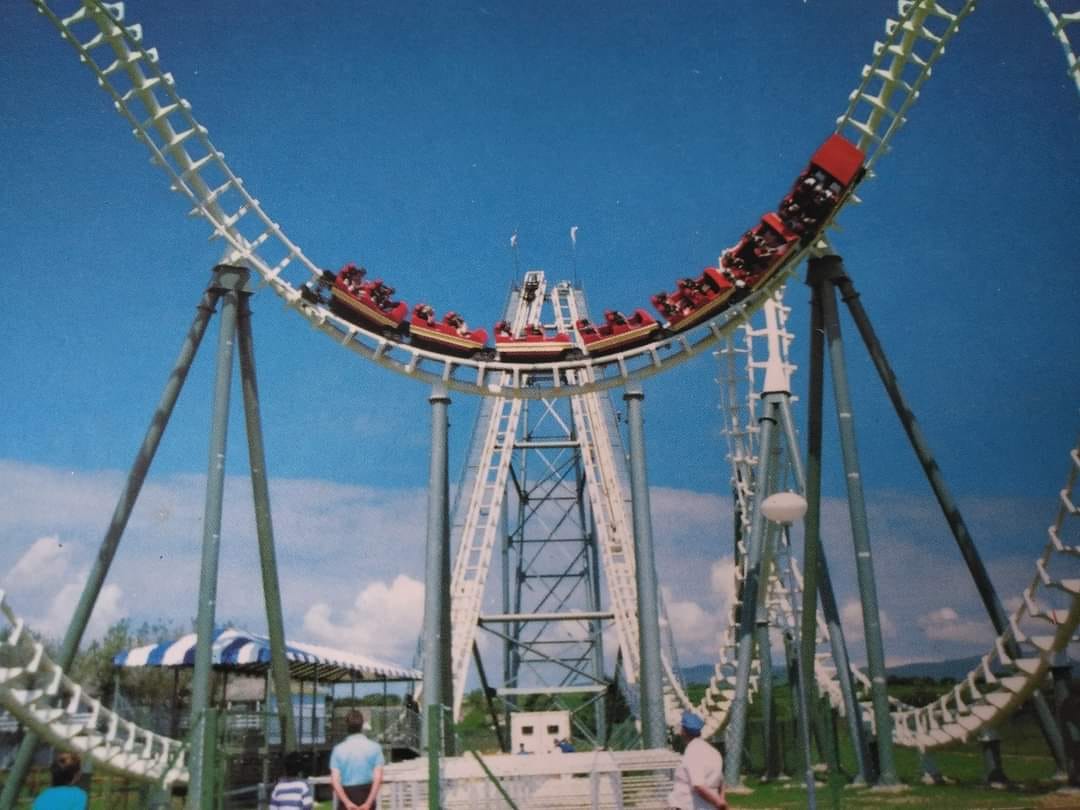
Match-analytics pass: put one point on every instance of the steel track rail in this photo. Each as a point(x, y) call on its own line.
point(901, 65)
point(1059, 22)
point(1044, 623)
point(44, 699)
point(180, 146)
point(146, 96)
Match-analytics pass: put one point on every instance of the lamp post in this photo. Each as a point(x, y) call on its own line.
point(785, 508)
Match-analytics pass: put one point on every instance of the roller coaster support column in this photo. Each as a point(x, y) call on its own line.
point(1061, 671)
point(990, 741)
point(126, 503)
point(949, 508)
point(822, 274)
point(653, 725)
point(816, 578)
point(764, 647)
point(279, 665)
point(755, 552)
point(233, 282)
point(438, 697)
point(768, 718)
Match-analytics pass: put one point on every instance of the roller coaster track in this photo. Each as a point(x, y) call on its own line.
point(146, 96)
point(1044, 623)
point(1059, 25)
point(42, 697)
point(179, 145)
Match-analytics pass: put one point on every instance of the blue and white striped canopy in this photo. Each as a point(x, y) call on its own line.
point(236, 649)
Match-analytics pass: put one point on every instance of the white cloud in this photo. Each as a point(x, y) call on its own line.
point(697, 625)
point(694, 629)
point(46, 590)
point(45, 560)
point(722, 580)
point(108, 610)
point(52, 520)
point(851, 617)
point(383, 620)
point(945, 624)
point(684, 515)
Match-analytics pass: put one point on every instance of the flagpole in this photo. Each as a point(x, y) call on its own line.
point(573, 251)
point(514, 251)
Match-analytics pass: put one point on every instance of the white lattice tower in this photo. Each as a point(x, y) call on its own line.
point(585, 436)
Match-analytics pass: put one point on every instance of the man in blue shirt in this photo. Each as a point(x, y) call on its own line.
point(356, 765)
point(64, 794)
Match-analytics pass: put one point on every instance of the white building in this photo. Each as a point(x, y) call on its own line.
point(537, 732)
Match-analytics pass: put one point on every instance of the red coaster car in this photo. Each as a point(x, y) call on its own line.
point(618, 332)
point(534, 345)
point(834, 170)
point(694, 299)
point(366, 303)
point(451, 334)
point(758, 253)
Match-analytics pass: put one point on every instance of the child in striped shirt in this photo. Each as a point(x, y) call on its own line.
point(292, 792)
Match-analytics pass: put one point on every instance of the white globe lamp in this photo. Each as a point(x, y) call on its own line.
point(784, 507)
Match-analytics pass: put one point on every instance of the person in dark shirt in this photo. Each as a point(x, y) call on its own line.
point(292, 792)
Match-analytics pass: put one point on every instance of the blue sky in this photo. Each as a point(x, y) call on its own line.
point(415, 140)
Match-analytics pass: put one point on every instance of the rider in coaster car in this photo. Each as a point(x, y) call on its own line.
point(665, 304)
point(455, 321)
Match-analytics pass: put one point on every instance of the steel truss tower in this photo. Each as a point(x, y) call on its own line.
point(546, 484)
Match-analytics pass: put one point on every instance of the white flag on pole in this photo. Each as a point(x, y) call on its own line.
point(573, 235)
point(513, 240)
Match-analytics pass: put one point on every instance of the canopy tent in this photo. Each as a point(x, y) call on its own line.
point(240, 651)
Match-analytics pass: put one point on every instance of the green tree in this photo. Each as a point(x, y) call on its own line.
point(93, 666)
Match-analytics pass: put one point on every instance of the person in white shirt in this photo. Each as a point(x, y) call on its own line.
point(699, 779)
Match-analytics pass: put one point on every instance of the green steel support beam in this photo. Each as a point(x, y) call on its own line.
point(494, 780)
point(736, 729)
point(436, 602)
point(653, 726)
point(816, 579)
point(279, 665)
point(949, 508)
point(209, 791)
point(126, 503)
point(821, 275)
point(489, 693)
point(230, 281)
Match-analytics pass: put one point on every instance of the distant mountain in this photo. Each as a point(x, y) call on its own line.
point(954, 668)
point(700, 673)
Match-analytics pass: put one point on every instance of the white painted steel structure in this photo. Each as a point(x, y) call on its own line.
point(162, 120)
point(42, 697)
point(1064, 19)
point(1044, 623)
point(578, 498)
